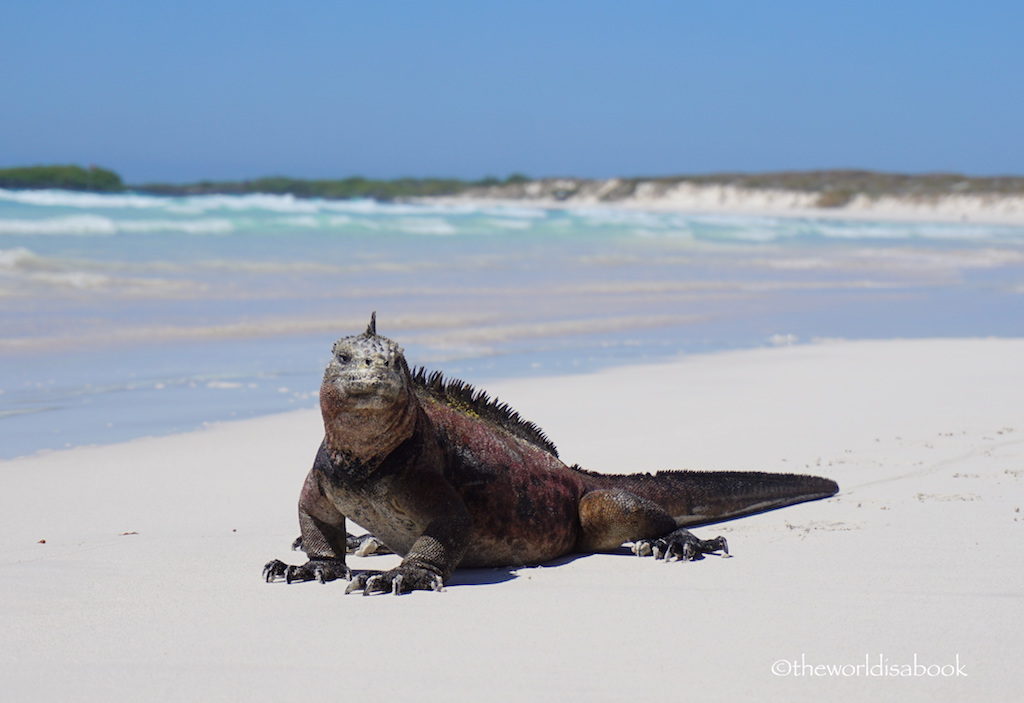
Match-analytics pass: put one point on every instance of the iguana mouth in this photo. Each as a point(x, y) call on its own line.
point(363, 388)
point(371, 389)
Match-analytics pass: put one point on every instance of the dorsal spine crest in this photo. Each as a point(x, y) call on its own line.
point(461, 396)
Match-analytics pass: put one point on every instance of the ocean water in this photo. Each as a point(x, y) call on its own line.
point(131, 315)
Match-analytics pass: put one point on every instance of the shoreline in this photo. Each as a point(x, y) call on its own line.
point(149, 575)
point(718, 200)
point(830, 194)
point(487, 381)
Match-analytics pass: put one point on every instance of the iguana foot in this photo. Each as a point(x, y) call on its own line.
point(322, 570)
point(680, 545)
point(365, 545)
point(402, 579)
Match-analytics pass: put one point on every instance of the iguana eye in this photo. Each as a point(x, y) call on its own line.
point(344, 358)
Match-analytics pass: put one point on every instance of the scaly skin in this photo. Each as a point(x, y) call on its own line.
point(445, 477)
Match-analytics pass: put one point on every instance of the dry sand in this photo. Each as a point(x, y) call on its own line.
point(919, 555)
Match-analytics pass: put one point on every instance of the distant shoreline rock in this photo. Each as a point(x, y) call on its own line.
point(855, 194)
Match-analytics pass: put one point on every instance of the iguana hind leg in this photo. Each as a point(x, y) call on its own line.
point(609, 518)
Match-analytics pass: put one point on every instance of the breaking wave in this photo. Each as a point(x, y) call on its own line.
point(54, 212)
point(102, 226)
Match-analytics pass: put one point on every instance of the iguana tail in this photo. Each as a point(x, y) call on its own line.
point(701, 497)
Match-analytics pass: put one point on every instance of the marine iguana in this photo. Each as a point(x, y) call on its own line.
point(445, 476)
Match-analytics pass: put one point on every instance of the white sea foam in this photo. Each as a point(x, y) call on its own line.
point(199, 204)
point(370, 207)
point(90, 201)
point(202, 226)
point(19, 258)
point(485, 335)
point(912, 230)
point(424, 225)
point(515, 212)
point(80, 280)
point(501, 223)
point(223, 385)
point(99, 225)
point(73, 224)
point(918, 258)
point(252, 201)
point(26, 274)
point(603, 217)
point(273, 203)
point(741, 221)
point(299, 221)
point(272, 267)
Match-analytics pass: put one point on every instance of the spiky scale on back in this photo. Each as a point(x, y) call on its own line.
point(463, 397)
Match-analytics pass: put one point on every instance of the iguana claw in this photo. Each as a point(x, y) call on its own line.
point(402, 579)
point(322, 570)
point(680, 545)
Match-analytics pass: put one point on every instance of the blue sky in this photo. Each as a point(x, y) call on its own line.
point(189, 90)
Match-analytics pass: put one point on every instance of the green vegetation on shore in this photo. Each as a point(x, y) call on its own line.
point(92, 178)
point(355, 187)
point(106, 181)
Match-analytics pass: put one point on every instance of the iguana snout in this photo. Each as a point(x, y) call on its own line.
point(366, 369)
point(367, 396)
point(360, 375)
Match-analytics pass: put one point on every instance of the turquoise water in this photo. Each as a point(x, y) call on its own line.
point(129, 315)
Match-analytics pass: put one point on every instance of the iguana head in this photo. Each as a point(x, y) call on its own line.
point(366, 398)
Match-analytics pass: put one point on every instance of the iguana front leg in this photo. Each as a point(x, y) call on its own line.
point(323, 538)
point(322, 570)
point(429, 562)
point(436, 552)
point(401, 579)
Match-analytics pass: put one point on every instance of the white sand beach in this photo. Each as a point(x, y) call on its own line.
point(132, 572)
